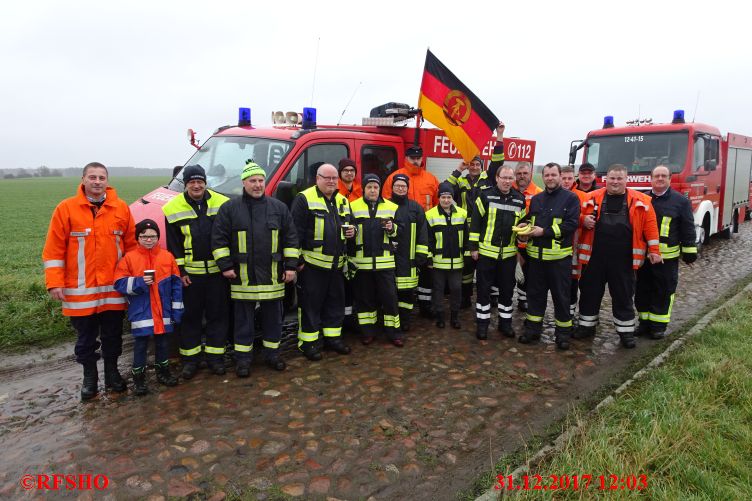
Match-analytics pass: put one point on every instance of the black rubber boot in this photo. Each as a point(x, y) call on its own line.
point(532, 332)
point(643, 330)
point(627, 340)
point(562, 339)
point(454, 319)
point(89, 388)
point(505, 328)
point(311, 351)
point(440, 323)
point(337, 345)
point(112, 378)
point(657, 331)
point(139, 381)
point(481, 331)
point(164, 376)
point(273, 360)
point(425, 309)
point(405, 320)
point(217, 366)
point(243, 368)
point(584, 332)
point(189, 370)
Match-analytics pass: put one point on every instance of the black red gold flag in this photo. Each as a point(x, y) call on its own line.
point(448, 104)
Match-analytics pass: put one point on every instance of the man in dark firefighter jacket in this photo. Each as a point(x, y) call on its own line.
point(555, 215)
point(371, 252)
point(493, 245)
point(467, 189)
point(412, 246)
point(189, 219)
point(656, 283)
point(322, 219)
point(256, 246)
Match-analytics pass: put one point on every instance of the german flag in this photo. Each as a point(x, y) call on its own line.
point(449, 105)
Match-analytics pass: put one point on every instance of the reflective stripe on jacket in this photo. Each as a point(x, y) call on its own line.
point(491, 227)
point(411, 240)
point(676, 224)
point(82, 250)
point(558, 213)
point(189, 233)
point(641, 217)
point(155, 308)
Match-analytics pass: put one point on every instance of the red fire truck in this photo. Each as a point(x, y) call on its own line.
point(293, 148)
point(712, 170)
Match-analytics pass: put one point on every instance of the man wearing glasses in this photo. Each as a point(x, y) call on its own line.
point(323, 221)
point(348, 186)
point(88, 234)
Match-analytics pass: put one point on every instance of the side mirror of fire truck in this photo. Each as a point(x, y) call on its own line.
point(710, 165)
point(574, 147)
point(192, 139)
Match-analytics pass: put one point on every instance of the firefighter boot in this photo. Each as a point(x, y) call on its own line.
point(657, 331)
point(273, 360)
point(164, 376)
point(643, 330)
point(91, 380)
point(440, 323)
point(562, 338)
point(112, 378)
point(311, 351)
point(454, 319)
point(505, 327)
point(217, 366)
point(627, 339)
point(481, 331)
point(532, 332)
point(139, 381)
point(243, 368)
point(189, 370)
point(584, 332)
point(404, 319)
point(337, 345)
point(425, 309)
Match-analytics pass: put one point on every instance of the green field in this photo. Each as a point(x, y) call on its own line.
point(27, 316)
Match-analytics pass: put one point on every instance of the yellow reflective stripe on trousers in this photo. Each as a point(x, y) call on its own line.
point(271, 344)
point(190, 352)
point(560, 323)
point(534, 318)
point(392, 321)
point(243, 262)
point(332, 331)
point(214, 350)
point(243, 348)
point(367, 318)
point(305, 337)
point(689, 250)
point(663, 319)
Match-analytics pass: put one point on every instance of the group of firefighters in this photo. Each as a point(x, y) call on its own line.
point(367, 248)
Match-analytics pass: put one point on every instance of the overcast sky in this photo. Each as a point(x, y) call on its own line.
point(120, 82)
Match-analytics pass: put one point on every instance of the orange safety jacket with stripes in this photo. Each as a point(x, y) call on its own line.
point(641, 216)
point(576, 265)
point(82, 249)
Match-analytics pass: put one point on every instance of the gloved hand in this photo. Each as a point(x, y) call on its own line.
point(689, 258)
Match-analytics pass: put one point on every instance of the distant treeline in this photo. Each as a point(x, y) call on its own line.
point(44, 171)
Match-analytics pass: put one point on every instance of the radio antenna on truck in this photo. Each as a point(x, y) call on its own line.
point(348, 103)
point(697, 101)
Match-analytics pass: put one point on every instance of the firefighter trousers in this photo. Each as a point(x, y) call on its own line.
point(442, 279)
point(654, 293)
point(405, 302)
point(208, 297)
point(108, 327)
point(544, 276)
point(522, 286)
point(468, 274)
point(573, 295)
point(617, 272)
point(494, 273)
point(377, 290)
point(321, 303)
point(245, 327)
point(425, 282)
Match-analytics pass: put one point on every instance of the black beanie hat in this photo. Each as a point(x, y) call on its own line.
point(146, 224)
point(401, 177)
point(414, 151)
point(371, 178)
point(446, 187)
point(193, 172)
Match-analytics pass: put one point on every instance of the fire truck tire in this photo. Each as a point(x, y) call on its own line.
point(726, 233)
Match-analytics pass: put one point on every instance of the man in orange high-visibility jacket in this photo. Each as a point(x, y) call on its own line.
point(523, 175)
point(423, 188)
point(619, 230)
point(88, 234)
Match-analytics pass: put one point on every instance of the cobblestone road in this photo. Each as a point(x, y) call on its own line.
point(383, 423)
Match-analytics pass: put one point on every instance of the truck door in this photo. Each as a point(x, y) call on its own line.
point(378, 158)
point(302, 172)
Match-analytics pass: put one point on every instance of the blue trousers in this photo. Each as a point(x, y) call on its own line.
point(141, 345)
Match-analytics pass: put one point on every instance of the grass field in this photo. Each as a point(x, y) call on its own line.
point(27, 316)
point(687, 427)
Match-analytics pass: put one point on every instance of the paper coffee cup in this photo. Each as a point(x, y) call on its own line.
point(149, 273)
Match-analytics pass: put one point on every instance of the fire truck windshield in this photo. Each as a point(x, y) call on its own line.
point(639, 152)
point(224, 157)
